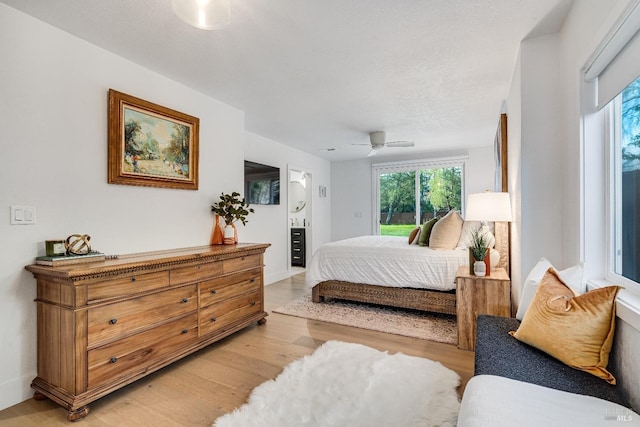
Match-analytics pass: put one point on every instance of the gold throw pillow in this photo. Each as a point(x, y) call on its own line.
point(575, 329)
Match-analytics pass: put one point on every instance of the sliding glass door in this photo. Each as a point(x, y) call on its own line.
point(409, 194)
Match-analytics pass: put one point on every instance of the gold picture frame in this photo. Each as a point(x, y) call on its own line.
point(151, 145)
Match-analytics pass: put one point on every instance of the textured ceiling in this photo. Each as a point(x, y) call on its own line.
point(317, 74)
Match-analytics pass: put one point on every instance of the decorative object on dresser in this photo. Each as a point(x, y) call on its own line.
point(347, 384)
point(232, 208)
point(151, 145)
point(78, 244)
point(104, 325)
point(298, 247)
point(479, 295)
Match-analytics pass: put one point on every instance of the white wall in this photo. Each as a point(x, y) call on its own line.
point(352, 193)
point(53, 119)
point(514, 181)
point(542, 170)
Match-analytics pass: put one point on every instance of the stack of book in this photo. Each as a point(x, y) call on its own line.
point(56, 261)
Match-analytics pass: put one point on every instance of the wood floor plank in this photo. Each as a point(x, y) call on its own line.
point(214, 381)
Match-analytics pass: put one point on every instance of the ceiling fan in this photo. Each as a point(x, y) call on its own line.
point(378, 142)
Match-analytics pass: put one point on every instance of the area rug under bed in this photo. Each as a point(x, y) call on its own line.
point(345, 384)
point(428, 326)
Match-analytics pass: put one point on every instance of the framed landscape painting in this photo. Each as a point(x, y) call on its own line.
point(151, 145)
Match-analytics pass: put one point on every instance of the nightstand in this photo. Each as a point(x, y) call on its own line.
point(479, 295)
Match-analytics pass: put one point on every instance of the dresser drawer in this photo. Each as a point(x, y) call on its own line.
point(195, 273)
point(126, 317)
point(133, 284)
point(241, 263)
point(218, 316)
point(133, 355)
point(216, 290)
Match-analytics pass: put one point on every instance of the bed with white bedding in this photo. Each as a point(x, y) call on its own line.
point(386, 270)
point(387, 260)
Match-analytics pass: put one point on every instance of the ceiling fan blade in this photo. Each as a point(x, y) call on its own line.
point(374, 151)
point(400, 144)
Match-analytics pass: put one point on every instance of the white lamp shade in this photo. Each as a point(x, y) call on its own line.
point(204, 14)
point(488, 206)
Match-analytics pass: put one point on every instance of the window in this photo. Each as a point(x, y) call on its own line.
point(625, 185)
point(409, 194)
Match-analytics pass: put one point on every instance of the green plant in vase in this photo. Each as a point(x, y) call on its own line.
point(479, 251)
point(232, 208)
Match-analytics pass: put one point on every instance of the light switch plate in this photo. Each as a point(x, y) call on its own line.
point(23, 215)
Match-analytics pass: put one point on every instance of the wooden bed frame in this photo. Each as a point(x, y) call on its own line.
point(417, 299)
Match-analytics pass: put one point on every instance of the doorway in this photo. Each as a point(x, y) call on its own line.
point(299, 217)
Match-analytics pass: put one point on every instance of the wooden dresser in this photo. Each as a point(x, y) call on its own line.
point(105, 324)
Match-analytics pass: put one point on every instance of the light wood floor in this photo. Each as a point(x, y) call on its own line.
point(198, 389)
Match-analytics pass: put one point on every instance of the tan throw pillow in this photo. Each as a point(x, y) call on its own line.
point(425, 231)
point(577, 330)
point(413, 236)
point(446, 232)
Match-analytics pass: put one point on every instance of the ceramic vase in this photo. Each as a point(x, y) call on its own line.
point(230, 235)
point(479, 268)
point(217, 237)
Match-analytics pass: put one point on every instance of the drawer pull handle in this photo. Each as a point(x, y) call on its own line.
point(198, 268)
point(113, 321)
point(213, 319)
point(253, 303)
point(184, 331)
point(113, 360)
point(133, 279)
point(253, 279)
point(184, 300)
point(213, 291)
point(243, 258)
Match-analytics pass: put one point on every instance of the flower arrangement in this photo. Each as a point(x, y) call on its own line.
point(232, 208)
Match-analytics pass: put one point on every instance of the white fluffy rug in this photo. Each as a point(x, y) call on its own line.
point(350, 385)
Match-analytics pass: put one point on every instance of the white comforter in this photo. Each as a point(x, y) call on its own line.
point(388, 261)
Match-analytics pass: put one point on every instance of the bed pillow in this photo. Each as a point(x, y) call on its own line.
point(577, 330)
point(446, 232)
point(466, 236)
point(425, 231)
point(414, 236)
point(572, 276)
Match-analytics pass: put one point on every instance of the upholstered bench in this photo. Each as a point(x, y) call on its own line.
point(516, 384)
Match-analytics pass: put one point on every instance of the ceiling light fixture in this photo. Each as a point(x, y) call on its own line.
point(204, 14)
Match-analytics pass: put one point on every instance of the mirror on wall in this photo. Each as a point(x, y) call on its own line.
point(297, 191)
point(297, 196)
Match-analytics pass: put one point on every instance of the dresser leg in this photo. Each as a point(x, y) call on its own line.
point(78, 414)
point(39, 396)
point(262, 321)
